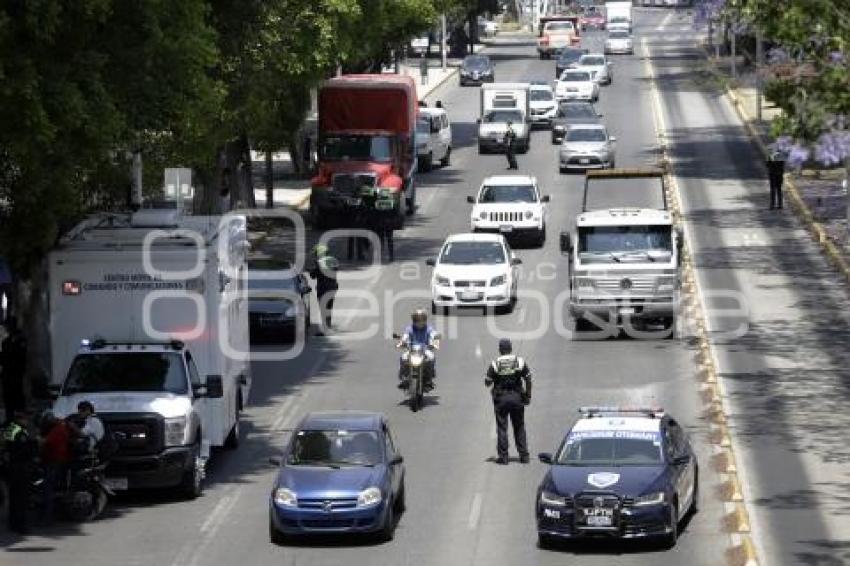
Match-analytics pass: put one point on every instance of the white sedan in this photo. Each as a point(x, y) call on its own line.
point(576, 84)
point(598, 66)
point(474, 270)
point(619, 41)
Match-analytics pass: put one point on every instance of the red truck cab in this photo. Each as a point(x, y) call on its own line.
point(366, 144)
point(553, 35)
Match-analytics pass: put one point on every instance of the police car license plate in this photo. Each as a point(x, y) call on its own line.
point(599, 521)
point(470, 295)
point(506, 228)
point(116, 484)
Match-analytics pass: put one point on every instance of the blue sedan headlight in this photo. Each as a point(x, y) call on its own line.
point(368, 497)
point(285, 497)
point(650, 499)
point(552, 499)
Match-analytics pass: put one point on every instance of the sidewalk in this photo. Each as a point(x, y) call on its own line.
point(783, 364)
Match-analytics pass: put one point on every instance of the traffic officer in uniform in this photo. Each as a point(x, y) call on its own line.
point(324, 272)
point(509, 378)
point(510, 146)
point(20, 450)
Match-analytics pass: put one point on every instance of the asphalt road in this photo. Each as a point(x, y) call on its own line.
point(462, 508)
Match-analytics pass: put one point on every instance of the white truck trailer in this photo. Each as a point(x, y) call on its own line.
point(147, 322)
point(502, 103)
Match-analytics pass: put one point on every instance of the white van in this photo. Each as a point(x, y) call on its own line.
point(433, 137)
point(148, 323)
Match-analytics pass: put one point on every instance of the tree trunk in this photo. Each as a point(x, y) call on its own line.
point(269, 180)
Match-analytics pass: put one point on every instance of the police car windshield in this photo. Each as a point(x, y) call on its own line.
point(127, 371)
point(507, 193)
point(611, 448)
point(471, 253)
point(333, 448)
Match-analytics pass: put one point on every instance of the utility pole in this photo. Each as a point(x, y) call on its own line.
point(734, 54)
point(136, 180)
point(443, 41)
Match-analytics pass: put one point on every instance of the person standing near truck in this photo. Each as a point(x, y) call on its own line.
point(510, 146)
point(324, 271)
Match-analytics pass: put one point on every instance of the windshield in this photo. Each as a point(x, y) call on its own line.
point(423, 127)
point(503, 116)
point(470, 253)
point(476, 63)
point(576, 111)
point(591, 61)
point(559, 26)
point(585, 135)
point(619, 20)
point(501, 193)
point(611, 448)
point(625, 239)
point(128, 371)
point(541, 94)
point(618, 35)
point(570, 56)
point(358, 148)
point(574, 77)
point(335, 448)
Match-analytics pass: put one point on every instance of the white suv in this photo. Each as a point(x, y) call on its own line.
point(510, 205)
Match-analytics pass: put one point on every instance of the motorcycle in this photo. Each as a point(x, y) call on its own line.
point(415, 368)
point(82, 493)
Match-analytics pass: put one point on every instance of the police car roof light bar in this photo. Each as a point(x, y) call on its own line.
point(651, 412)
point(100, 343)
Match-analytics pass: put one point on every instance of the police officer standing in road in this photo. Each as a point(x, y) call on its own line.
point(20, 450)
point(510, 146)
point(324, 272)
point(775, 175)
point(509, 378)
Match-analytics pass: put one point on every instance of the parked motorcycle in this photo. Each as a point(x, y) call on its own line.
point(415, 368)
point(81, 494)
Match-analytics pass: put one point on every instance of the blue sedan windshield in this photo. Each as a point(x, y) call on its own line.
point(335, 448)
point(611, 448)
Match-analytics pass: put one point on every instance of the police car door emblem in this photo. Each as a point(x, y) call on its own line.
point(603, 479)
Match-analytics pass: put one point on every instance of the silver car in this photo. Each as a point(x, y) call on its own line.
point(587, 146)
point(598, 66)
point(619, 41)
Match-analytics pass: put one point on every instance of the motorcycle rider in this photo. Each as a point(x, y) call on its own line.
point(510, 379)
point(421, 333)
point(56, 455)
point(324, 271)
point(87, 425)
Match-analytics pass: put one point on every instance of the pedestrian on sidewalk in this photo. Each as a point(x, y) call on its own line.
point(423, 69)
point(13, 359)
point(510, 144)
point(775, 174)
point(324, 271)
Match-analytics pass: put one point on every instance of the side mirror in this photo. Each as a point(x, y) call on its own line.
point(681, 460)
point(544, 198)
point(396, 460)
point(545, 457)
point(215, 387)
point(430, 262)
point(478, 121)
point(566, 245)
point(470, 200)
point(600, 115)
point(276, 461)
point(516, 261)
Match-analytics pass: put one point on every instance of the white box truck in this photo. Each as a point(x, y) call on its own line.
point(502, 103)
point(618, 16)
point(147, 322)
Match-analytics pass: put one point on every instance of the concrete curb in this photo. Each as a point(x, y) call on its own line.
point(742, 551)
point(804, 213)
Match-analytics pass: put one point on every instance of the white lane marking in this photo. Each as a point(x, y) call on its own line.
point(219, 508)
point(286, 409)
point(475, 512)
point(665, 21)
point(478, 350)
point(522, 311)
point(212, 527)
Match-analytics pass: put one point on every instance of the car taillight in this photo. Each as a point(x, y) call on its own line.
point(71, 288)
point(544, 40)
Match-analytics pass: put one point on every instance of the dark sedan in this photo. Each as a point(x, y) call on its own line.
point(618, 474)
point(278, 305)
point(340, 473)
point(567, 58)
point(476, 69)
point(570, 114)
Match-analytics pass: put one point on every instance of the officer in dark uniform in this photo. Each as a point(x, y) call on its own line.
point(775, 175)
point(20, 449)
point(510, 146)
point(361, 219)
point(324, 271)
point(509, 378)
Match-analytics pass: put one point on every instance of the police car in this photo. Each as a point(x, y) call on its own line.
point(620, 472)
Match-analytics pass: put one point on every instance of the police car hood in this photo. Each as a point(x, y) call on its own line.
point(626, 481)
point(166, 404)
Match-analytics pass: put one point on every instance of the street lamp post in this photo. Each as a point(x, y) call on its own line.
point(443, 40)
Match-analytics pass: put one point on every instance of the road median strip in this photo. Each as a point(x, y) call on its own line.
point(742, 551)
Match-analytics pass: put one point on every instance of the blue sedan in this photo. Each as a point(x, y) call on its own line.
point(340, 473)
point(618, 473)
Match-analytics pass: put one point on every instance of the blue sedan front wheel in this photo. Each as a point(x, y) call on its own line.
point(275, 536)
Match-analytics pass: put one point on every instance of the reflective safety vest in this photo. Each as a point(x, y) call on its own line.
point(508, 370)
point(11, 432)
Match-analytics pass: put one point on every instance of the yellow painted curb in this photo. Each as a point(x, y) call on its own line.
point(744, 554)
point(738, 521)
point(724, 462)
point(731, 490)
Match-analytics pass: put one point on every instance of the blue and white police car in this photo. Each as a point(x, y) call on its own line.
point(620, 472)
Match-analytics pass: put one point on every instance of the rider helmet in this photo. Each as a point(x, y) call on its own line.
point(419, 318)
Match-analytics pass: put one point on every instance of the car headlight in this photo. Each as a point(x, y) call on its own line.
point(175, 431)
point(498, 280)
point(553, 499)
point(285, 497)
point(558, 127)
point(444, 281)
point(528, 214)
point(650, 499)
point(368, 497)
point(289, 312)
point(483, 215)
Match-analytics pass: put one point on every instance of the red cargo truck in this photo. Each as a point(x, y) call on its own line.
point(366, 146)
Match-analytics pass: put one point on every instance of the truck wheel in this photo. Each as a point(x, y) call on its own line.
point(411, 200)
point(446, 161)
point(275, 536)
point(427, 162)
point(232, 440)
point(191, 485)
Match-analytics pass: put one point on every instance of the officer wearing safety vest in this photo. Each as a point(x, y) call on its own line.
point(509, 378)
